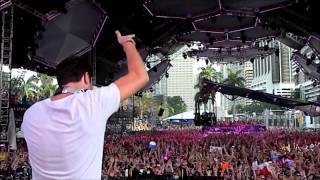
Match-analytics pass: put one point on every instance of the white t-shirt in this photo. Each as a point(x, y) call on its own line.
point(65, 137)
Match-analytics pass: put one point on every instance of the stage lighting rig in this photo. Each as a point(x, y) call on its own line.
point(148, 65)
point(184, 55)
point(252, 60)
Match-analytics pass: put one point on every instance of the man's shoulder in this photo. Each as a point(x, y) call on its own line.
point(33, 107)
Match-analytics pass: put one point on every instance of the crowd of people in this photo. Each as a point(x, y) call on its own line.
point(195, 153)
point(14, 164)
point(192, 153)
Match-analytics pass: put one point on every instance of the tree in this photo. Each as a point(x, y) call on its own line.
point(207, 73)
point(177, 104)
point(47, 87)
point(145, 102)
point(234, 79)
point(39, 86)
point(24, 89)
point(210, 73)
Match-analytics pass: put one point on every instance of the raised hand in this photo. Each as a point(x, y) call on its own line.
point(125, 39)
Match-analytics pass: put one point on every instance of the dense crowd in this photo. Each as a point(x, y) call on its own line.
point(185, 153)
point(181, 154)
point(14, 164)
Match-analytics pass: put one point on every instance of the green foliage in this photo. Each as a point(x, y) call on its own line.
point(38, 86)
point(234, 78)
point(176, 105)
point(210, 73)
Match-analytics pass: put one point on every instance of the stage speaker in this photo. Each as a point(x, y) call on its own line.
point(72, 33)
point(161, 111)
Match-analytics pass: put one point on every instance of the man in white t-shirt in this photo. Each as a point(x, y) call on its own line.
point(65, 133)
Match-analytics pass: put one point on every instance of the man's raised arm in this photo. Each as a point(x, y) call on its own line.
point(137, 76)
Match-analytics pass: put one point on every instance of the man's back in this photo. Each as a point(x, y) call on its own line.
point(65, 137)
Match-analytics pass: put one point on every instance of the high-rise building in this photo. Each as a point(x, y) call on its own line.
point(181, 80)
point(273, 74)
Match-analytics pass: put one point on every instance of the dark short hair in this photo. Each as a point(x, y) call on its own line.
point(72, 69)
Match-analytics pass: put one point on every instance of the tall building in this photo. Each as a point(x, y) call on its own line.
point(273, 74)
point(181, 80)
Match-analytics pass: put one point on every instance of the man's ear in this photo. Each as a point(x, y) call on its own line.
point(86, 78)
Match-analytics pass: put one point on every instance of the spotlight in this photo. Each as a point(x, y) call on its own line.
point(197, 59)
point(297, 70)
point(155, 69)
point(148, 65)
point(167, 75)
point(151, 89)
point(314, 83)
point(184, 55)
point(313, 57)
point(265, 47)
point(308, 62)
point(207, 61)
point(262, 57)
point(188, 44)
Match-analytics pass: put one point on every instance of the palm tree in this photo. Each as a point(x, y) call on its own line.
point(234, 79)
point(24, 89)
point(207, 73)
point(210, 73)
point(47, 86)
point(38, 86)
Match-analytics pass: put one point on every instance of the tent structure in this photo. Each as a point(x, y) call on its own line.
point(182, 118)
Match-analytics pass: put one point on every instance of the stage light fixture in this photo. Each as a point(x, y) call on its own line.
point(265, 47)
point(262, 57)
point(308, 61)
point(184, 55)
point(313, 57)
point(297, 70)
point(276, 52)
point(314, 83)
point(252, 60)
point(167, 75)
point(148, 65)
point(155, 69)
point(207, 61)
point(220, 50)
